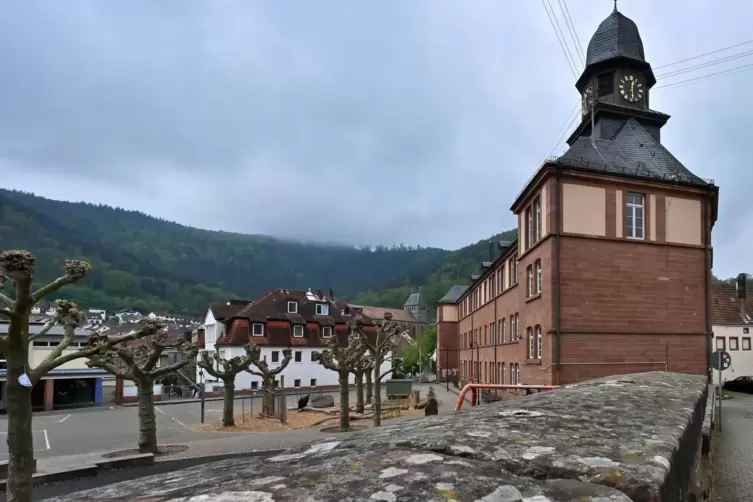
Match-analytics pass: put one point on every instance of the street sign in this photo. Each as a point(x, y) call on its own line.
point(720, 360)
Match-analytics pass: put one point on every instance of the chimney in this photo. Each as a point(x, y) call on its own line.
point(742, 294)
point(491, 251)
point(331, 294)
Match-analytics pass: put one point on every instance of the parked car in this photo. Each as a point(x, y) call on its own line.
point(740, 384)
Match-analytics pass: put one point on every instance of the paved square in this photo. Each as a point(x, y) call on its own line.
point(733, 465)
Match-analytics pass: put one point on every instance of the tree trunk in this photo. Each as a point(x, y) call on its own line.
point(344, 404)
point(228, 416)
point(147, 420)
point(359, 391)
point(377, 393)
point(369, 387)
point(268, 401)
point(18, 399)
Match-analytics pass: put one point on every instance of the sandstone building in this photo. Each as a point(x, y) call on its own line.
point(611, 269)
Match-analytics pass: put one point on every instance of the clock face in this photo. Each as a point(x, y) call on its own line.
point(631, 88)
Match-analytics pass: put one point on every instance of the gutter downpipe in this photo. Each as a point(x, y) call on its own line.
point(706, 273)
point(558, 323)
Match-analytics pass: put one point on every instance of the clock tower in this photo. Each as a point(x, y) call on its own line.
point(616, 82)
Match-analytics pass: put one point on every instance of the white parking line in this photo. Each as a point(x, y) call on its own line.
point(157, 408)
point(46, 439)
point(64, 419)
point(181, 423)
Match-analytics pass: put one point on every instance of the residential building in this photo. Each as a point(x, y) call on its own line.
point(732, 314)
point(213, 328)
point(611, 268)
point(71, 385)
point(412, 327)
point(302, 321)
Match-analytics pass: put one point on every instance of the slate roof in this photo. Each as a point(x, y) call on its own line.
point(454, 294)
point(631, 150)
point(725, 306)
point(616, 36)
point(416, 298)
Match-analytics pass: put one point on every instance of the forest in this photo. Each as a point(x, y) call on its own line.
point(155, 265)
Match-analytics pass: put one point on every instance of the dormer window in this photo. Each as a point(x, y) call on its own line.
point(322, 309)
point(292, 307)
point(257, 329)
point(326, 332)
point(298, 331)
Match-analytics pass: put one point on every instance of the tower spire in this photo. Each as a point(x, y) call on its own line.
point(615, 6)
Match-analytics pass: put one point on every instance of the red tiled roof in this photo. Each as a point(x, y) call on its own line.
point(725, 306)
point(399, 315)
point(271, 310)
point(222, 311)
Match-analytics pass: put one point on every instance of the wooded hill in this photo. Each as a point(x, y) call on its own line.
point(156, 265)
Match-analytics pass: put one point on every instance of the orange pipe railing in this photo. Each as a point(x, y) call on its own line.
point(474, 388)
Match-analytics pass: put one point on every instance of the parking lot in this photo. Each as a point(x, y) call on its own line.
point(104, 429)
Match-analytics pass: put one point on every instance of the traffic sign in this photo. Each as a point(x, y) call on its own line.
point(720, 360)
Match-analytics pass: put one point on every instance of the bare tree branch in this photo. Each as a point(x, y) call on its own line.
point(188, 355)
point(97, 361)
point(75, 270)
point(45, 329)
point(7, 302)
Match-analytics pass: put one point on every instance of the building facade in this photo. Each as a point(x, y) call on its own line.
point(70, 385)
point(610, 272)
point(302, 321)
point(732, 314)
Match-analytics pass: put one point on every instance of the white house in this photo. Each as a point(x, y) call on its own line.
point(731, 314)
point(302, 321)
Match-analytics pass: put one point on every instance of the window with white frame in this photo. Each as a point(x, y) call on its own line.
point(502, 330)
point(529, 335)
point(517, 326)
point(529, 228)
point(322, 309)
point(537, 217)
point(292, 307)
point(746, 343)
point(529, 283)
point(720, 343)
point(298, 357)
point(634, 216)
point(517, 374)
point(502, 278)
point(297, 382)
point(502, 374)
point(512, 373)
point(313, 382)
point(298, 331)
point(539, 343)
point(257, 329)
point(327, 332)
point(733, 343)
point(539, 277)
point(275, 356)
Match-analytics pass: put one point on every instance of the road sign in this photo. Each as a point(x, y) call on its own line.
point(720, 360)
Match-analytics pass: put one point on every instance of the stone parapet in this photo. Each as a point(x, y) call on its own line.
point(632, 437)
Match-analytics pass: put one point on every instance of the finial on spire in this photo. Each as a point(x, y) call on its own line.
point(615, 5)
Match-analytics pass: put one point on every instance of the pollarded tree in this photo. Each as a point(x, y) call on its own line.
point(19, 267)
point(361, 368)
point(268, 377)
point(388, 333)
point(343, 360)
point(139, 364)
point(226, 370)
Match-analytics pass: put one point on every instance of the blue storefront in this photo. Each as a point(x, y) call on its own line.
point(63, 389)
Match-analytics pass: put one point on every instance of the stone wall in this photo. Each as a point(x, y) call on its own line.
point(633, 437)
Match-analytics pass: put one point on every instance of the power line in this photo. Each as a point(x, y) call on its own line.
point(564, 49)
point(713, 62)
point(705, 54)
point(564, 38)
point(572, 30)
point(736, 69)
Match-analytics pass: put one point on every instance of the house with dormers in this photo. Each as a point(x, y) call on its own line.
point(610, 271)
point(732, 314)
point(303, 321)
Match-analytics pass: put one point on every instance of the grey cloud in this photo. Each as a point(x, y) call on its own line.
point(414, 122)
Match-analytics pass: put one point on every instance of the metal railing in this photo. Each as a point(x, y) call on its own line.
point(475, 387)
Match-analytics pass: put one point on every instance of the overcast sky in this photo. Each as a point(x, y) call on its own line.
point(351, 121)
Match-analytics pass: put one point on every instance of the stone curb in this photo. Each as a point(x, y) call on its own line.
point(140, 460)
